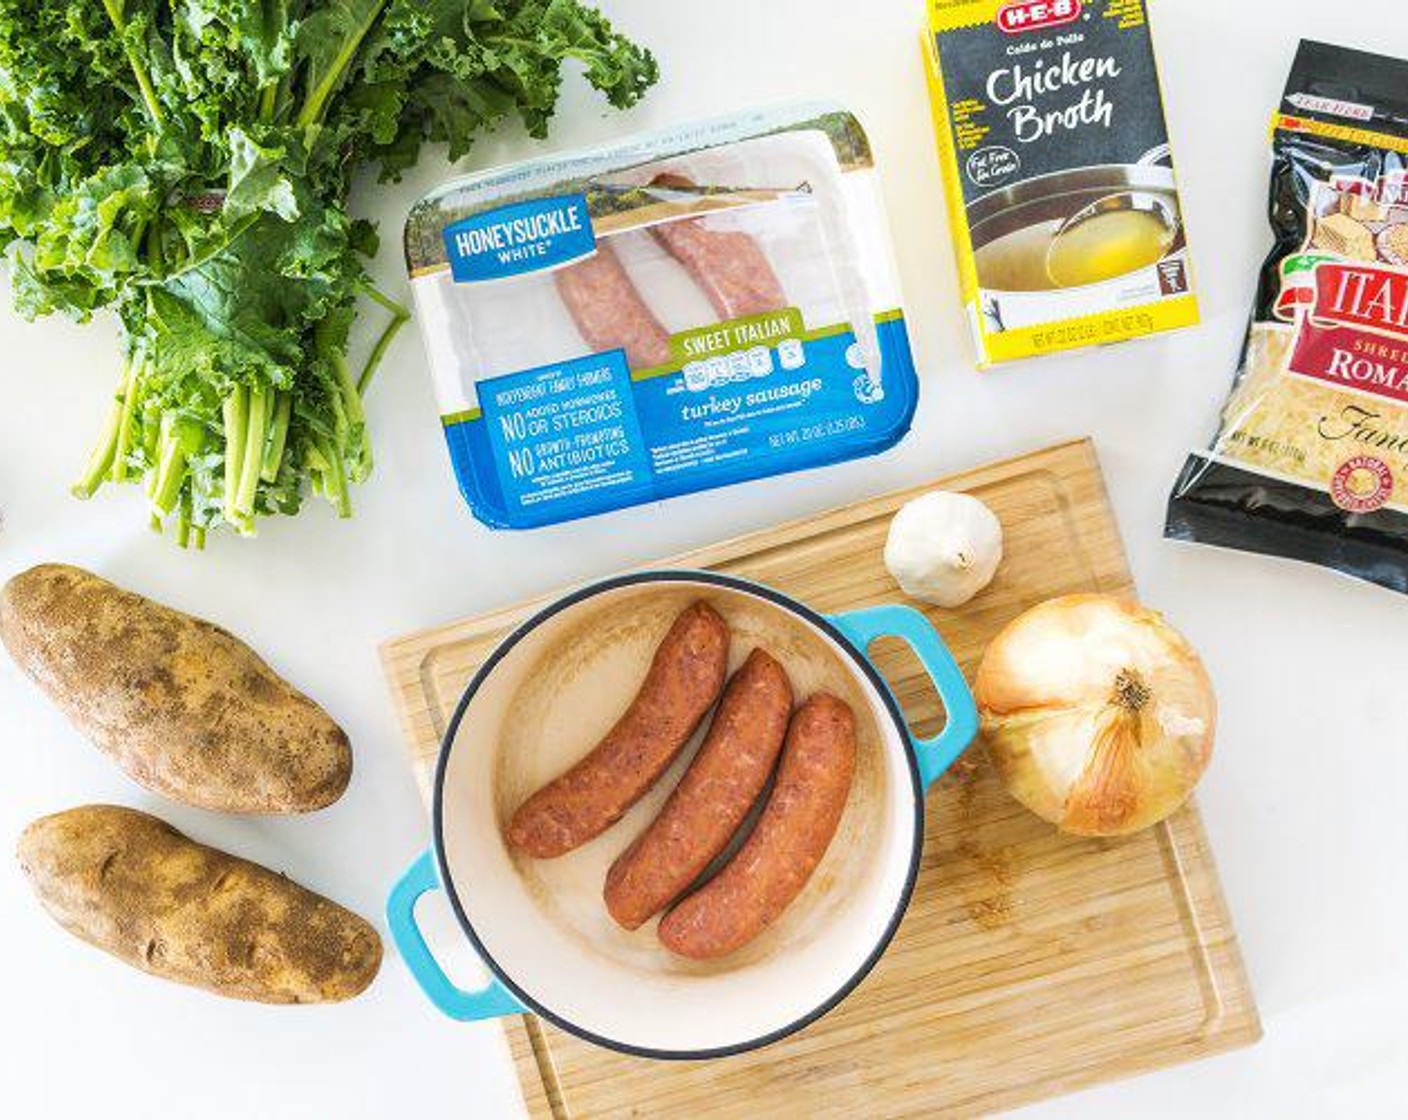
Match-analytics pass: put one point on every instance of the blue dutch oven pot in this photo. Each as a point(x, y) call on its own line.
point(542, 930)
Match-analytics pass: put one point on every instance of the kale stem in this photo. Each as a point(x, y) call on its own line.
point(171, 472)
point(101, 460)
point(278, 438)
point(372, 292)
point(383, 344)
point(252, 461)
point(357, 416)
point(183, 522)
point(276, 14)
point(236, 416)
point(151, 432)
point(144, 82)
point(335, 478)
point(351, 398)
point(354, 417)
point(124, 427)
point(198, 538)
point(156, 259)
point(316, 105)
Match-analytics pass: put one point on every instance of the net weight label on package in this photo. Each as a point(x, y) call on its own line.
point(566, 432)
point(811, 433)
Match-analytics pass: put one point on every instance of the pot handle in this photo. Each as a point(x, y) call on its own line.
point(494, 1001)
point(935, 755)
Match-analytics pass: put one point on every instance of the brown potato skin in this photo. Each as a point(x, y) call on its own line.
point(131, 885)
point(183, 707)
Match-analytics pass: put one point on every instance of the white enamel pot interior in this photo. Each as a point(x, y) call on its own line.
point(539, 704)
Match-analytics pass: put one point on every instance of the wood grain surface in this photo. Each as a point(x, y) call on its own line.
point(1029, 964)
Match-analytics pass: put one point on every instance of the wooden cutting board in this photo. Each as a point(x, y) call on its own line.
point(1029, 963)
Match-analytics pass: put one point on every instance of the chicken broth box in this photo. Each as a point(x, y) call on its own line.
point(1060, 186)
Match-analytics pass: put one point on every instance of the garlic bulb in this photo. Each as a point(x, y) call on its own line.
point(1098, 714)
point(944, 548)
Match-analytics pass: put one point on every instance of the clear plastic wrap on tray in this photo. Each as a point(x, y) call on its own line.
point(665, 315)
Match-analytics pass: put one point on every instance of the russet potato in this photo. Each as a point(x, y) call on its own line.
point(138, 889)
point(183, 707)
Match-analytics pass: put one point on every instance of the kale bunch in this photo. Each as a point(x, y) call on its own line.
point(187, 164)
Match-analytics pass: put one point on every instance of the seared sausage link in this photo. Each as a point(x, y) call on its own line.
point(709, 804)
point(685, 679)
point(793, 833)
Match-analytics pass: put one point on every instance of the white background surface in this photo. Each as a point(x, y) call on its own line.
point(1304, 802)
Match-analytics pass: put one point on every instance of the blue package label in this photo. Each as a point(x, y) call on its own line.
point(524, 237)
point(584, 436)
point(567, 433)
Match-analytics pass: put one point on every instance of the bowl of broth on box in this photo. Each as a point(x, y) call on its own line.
point(1061, 185)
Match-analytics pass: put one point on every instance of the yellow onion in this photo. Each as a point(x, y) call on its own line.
point(1097, 713)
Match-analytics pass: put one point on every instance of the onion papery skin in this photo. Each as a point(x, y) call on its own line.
point(1098, 715)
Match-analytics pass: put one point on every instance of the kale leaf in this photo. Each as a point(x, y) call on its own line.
point(186, 165)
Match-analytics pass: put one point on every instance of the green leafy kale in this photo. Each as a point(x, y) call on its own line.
point(187, 164)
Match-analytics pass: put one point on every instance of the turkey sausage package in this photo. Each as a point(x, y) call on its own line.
point(1311, 461)
point(672, 313)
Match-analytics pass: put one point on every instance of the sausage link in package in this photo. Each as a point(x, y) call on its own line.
point(1311, 461)
point(669, 314)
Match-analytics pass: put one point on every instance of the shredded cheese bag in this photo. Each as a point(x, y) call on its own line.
point(1311, 459)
